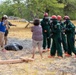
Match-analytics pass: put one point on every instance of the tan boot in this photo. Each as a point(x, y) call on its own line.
point(48, 49)
point(50, 56)
point(68, 55)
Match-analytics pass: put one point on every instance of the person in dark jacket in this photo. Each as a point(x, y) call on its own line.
point(70, 32)
point(56, 44)
point(63, 36)
point(45, 23)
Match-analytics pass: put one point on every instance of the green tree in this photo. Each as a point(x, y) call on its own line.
point(5, 8)
point(30, 9)
point(70, 8)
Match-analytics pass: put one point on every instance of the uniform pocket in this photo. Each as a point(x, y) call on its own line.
point(59, 40)
point(72, 39)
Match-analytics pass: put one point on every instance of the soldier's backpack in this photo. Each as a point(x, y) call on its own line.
point(14, 47)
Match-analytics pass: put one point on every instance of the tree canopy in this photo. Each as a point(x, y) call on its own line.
point(30, 9)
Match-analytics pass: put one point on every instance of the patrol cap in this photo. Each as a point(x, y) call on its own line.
point(66, 17)
point(54, 17)
point(59, 17)
point(45, 14)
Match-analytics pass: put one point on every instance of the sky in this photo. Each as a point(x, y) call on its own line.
point(1, 1)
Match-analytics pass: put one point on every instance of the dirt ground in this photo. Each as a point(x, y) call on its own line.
point(20, 31)
point(46, 66)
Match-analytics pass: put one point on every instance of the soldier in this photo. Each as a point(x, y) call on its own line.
point(45, 23)
point(56, 45)
point(63, 36)
point(70, 32)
